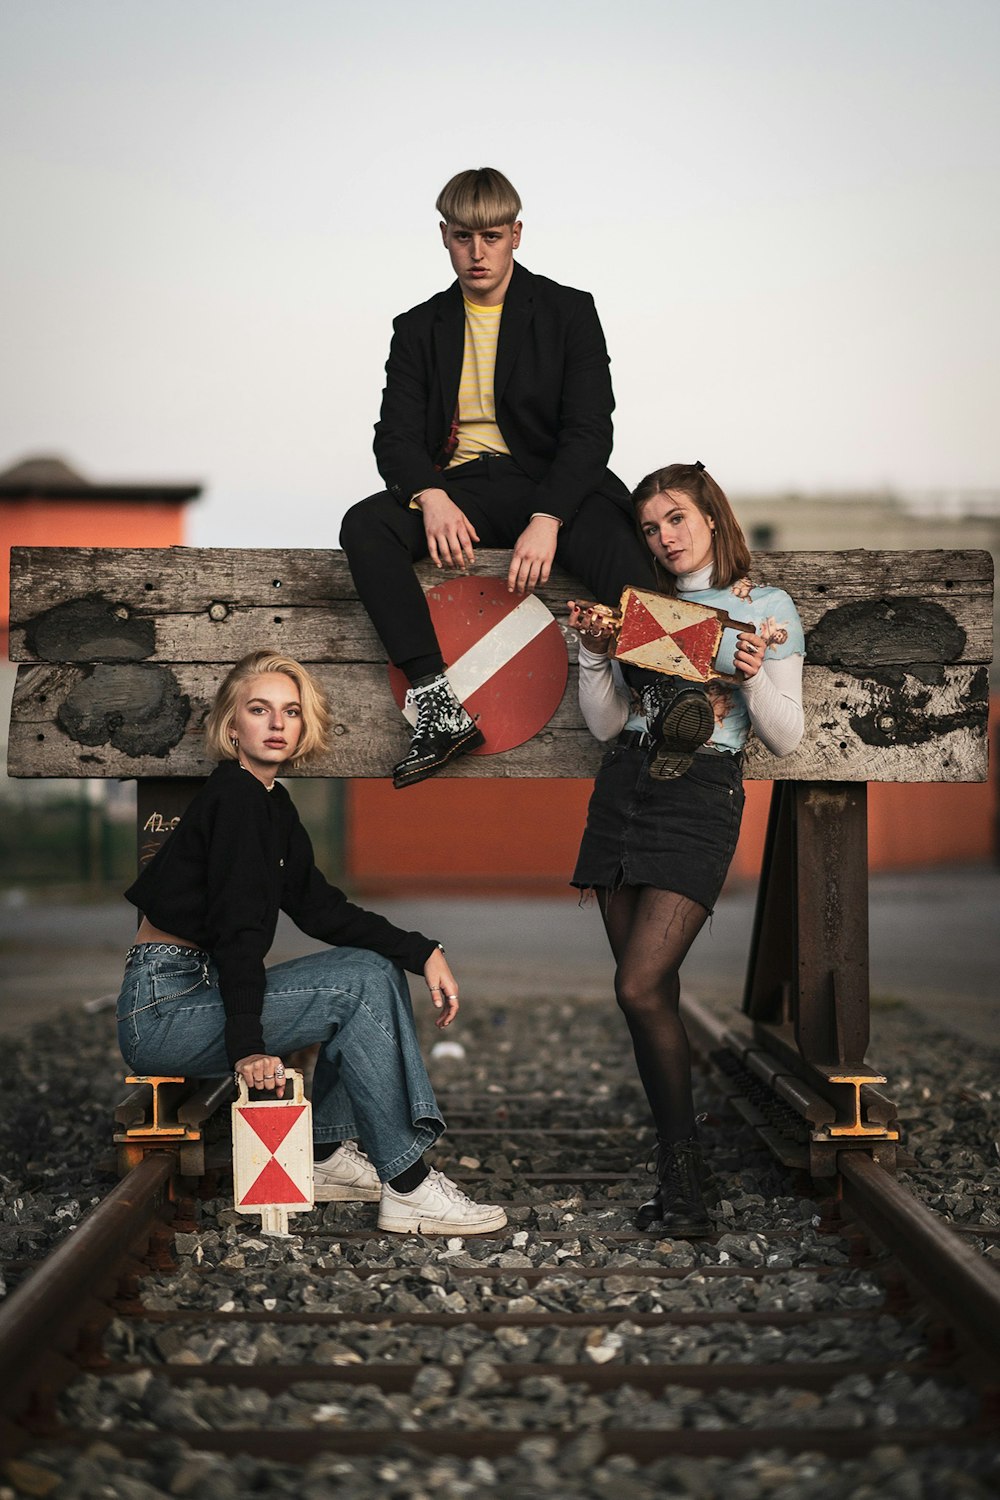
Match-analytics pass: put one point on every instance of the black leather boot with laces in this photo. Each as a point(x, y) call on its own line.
point(444, 729)
point(680, 721)
point(678, 1205)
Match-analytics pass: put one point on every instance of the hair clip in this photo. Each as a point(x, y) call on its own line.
point(699, 466)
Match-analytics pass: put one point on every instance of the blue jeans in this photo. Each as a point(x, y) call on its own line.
point(370, 1082)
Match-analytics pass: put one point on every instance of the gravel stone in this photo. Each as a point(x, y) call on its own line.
point(54, 1145)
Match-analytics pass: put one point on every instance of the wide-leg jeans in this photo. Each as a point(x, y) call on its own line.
point(370, 1082)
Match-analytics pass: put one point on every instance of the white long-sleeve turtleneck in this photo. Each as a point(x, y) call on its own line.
point(773, 697)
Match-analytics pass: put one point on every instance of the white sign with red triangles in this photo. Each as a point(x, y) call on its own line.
point(273, 1155)
point(668, 635)
point(505, 658)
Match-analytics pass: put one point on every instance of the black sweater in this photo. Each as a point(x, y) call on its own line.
point(238, 856)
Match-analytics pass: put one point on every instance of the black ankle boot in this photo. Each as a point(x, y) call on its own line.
point(678, 1205)
point(444, 730)
point(680, 720)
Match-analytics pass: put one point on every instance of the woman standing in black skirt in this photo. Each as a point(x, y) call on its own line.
point(665, 812)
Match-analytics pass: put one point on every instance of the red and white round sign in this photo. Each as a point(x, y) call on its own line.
point(505, 658)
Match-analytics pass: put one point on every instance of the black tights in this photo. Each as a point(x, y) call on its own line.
point(650, 932)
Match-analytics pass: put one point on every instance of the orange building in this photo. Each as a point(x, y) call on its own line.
point(469, 837)
point(45, 503)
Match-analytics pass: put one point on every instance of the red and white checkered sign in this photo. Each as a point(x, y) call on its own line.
point(505, 658)
point(668, 635)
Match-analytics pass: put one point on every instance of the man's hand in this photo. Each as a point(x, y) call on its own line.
point(450, 533)
point(531, 560)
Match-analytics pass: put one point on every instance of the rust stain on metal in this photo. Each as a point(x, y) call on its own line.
point(139, 710)
point(92, 628)
point(911, 634)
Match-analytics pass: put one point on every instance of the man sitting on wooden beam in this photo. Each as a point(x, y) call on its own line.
point(495, 429)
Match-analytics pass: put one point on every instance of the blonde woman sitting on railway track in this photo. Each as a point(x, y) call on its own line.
point(665, 813)
point(197, 999)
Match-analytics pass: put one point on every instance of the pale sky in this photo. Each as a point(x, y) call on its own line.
point(787, 211)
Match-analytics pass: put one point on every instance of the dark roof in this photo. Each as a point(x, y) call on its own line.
point(46, 477)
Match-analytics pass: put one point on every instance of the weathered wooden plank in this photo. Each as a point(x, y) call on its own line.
point(895, 684)
point(369, 733)
point(915, 732)
point(859, 609)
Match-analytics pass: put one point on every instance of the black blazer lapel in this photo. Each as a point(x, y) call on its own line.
point(518, 311)
point(449, 351)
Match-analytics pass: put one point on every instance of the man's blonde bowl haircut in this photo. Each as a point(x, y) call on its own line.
point(480, 198)
point(315, 713)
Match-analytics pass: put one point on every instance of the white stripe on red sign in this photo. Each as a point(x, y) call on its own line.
point(475, 667)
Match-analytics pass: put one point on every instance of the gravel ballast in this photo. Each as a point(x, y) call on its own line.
point(56, 1153)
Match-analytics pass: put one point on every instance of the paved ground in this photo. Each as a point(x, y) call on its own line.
point(935, 942)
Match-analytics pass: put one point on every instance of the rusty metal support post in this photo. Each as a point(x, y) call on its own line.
point(831, 1017)
point(809, 951)
point(807, 979)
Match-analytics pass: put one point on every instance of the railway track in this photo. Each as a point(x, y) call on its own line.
point(563, 1344)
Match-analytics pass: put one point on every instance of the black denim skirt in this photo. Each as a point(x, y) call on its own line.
point(677, 835)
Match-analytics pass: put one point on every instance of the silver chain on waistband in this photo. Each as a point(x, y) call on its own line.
point(174, 948)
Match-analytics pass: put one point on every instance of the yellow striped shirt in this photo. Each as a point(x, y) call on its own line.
point(477, 418)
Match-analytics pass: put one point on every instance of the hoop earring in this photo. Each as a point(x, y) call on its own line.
point(234, 742)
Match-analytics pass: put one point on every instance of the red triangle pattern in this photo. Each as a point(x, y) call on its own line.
point(274, 1186)
point(272, 1125)
point(698, 643)
point(639, 627)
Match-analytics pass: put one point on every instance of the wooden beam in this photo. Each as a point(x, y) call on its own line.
point(122, 651)
point(864, 609)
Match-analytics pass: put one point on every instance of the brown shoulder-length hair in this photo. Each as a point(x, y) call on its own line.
point(315, 713)
point(731, 553)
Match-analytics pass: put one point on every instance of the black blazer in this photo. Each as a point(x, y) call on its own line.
point(551, 385)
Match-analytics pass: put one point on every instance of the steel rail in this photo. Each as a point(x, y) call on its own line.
point(954, 1276)
point(956, 1279)
point(609, 1318)
point(44, 1312)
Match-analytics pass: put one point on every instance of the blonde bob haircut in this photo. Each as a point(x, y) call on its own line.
point(315, 713)
point(480, 198)
point(730, 551)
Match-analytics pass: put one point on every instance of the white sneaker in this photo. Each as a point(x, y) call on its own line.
point(437, 1206)
point(346, 1177)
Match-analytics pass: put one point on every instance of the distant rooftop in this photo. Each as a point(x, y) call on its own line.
point(952, 504)
point(49, 477)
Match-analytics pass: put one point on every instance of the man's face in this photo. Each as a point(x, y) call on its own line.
point(482, 259)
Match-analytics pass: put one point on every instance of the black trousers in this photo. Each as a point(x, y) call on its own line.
point(383, 539)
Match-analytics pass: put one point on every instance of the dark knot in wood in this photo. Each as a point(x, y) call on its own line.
point(901, 715)
point(92, 628)
point(139, 710)
point(900, 633)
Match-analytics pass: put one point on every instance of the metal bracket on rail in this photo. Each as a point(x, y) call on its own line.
point(168, 1114)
